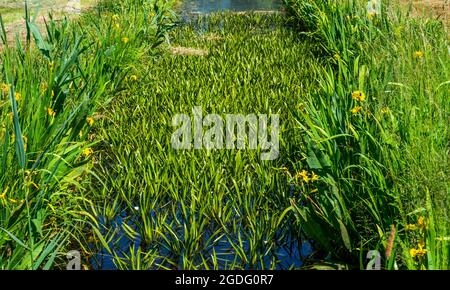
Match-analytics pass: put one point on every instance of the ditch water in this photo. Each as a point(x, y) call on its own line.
point(208, 6)
point(285, 249)
point(289, 251)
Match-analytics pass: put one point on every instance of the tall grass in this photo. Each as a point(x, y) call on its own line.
point(52, 84)
point(376, 130)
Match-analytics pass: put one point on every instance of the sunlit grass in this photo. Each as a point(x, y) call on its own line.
point(385, 156)
point(86, 162)
point(12, 10)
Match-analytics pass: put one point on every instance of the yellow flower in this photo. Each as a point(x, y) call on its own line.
point(51, 112)
point(421, 222)
point(356, 110)
point(3, 195)
point(336, 56)
point(115, 17)
point(117, 25)
point(314, 176)
point(359, 96)
point(87, 152)
point(421, 244)
point(385, 110)
point(4, 88)
point(306, 179)
point(421, 252)
point(90, 121)
point(418, 54)
point(125, 40)
point(18, 97)
point(303, 174)
point(411, 227)
point(133, 78)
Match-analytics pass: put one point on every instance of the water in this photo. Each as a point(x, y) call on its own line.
point(289, 251)
point(208, 6)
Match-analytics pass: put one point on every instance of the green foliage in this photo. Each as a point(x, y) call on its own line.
point(52, 84)
point(371, 151)
point(86, 160)
point(200, 209)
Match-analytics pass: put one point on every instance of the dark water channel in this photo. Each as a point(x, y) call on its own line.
point(208, 6)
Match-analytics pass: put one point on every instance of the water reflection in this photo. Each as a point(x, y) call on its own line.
point(288, 251)
point(207, 6)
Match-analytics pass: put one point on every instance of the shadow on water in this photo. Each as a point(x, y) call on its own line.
point(286, 251)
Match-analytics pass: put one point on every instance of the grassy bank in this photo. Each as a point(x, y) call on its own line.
point(12, 10)
point(378, 121)
point(51, 85)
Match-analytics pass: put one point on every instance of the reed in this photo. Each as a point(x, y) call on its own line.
point(52, 82)
point(86, 160)
point(376, 129)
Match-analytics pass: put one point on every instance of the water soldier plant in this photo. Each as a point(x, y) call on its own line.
point(86, 160)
